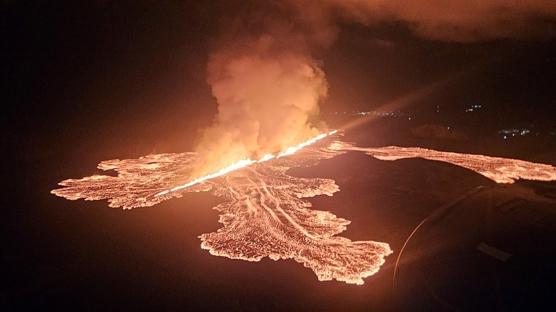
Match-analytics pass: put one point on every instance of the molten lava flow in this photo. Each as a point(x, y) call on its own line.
point(296, 148)
point(264, 210)
point(235, 166)
point(500, 170)
point(247, 162)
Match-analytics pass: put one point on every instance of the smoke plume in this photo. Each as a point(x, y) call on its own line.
point(268, 84)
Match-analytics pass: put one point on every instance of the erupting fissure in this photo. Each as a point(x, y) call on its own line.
point(247, 162)
point(265, 212)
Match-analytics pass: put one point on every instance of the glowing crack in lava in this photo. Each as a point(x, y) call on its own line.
point(264, 210)
point(247, 162)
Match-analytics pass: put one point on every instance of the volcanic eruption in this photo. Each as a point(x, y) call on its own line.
point(268, 84)
point(264, 213)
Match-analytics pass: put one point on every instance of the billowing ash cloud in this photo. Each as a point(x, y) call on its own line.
point(268, 84)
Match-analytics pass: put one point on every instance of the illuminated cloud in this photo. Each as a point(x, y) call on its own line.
point(268, 83)
point(456, 20)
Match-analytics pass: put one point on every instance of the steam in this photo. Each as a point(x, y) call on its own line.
point(268, 99)
point(268, 84)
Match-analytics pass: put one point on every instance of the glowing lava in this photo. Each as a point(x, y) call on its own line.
point(264, 210)
point(247, 162)
point(500, 170)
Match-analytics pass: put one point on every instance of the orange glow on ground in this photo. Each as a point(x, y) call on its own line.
point(247, 162)
point(264, 211)
point(497, 169)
